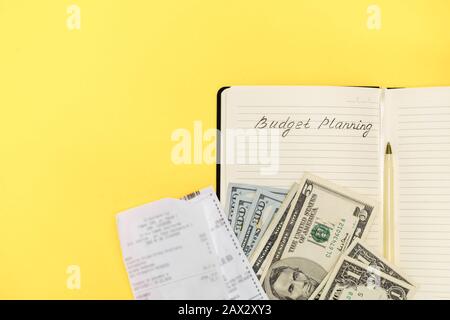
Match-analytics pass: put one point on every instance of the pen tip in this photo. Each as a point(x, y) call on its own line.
point(388, 148)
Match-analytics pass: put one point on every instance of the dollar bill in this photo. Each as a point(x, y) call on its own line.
point(245, 190)
point(242, 209)
point(264, 207)
point(360, 252)
point(353, 280)
point(318, 291)
point(258, 258)
point(235, 190)
point(322, 221)
point(278, 191)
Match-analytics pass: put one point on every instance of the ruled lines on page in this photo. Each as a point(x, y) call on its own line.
point(423, 199)
point(349, 157)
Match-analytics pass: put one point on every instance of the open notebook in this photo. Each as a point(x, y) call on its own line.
point(340, 133)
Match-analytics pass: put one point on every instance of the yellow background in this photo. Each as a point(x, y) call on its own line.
point(86, 115)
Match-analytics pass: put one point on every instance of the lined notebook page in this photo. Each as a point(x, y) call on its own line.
point(421, 133)
point(349, 157)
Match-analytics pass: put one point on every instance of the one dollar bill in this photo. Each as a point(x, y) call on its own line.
point(359, 251)
point(353, 280)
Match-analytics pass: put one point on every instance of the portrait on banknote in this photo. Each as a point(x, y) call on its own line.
point(293, 279)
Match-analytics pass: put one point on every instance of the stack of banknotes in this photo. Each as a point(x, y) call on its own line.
point(308, 242)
